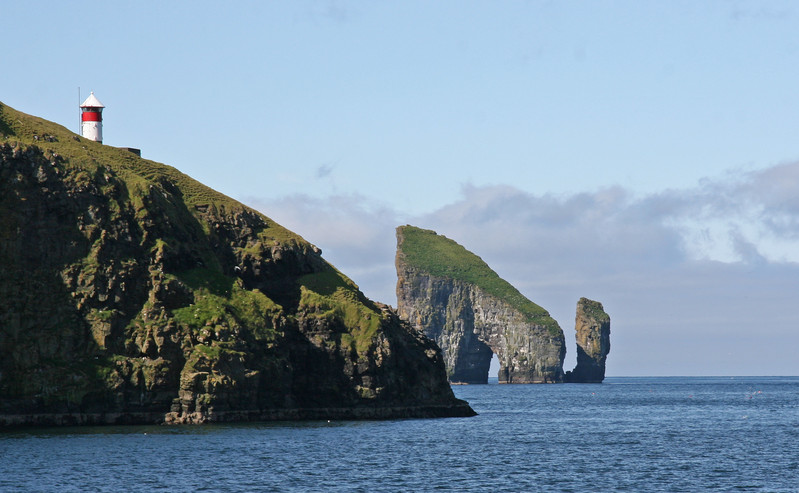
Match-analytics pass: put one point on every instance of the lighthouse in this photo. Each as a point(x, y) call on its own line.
point(91, 119)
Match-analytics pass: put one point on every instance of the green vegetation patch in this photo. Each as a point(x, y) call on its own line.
point(208, 279)
point(442, 257)
point(216, 351)
point(594, 310)
point(333, 296)
point(226, 303)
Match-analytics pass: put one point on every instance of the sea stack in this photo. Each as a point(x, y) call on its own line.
point(453, 297)
point(592, 326)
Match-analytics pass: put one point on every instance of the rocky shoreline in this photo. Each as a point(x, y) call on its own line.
point(299, 414)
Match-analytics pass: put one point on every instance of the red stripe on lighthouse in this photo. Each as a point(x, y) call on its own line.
point(91, 116)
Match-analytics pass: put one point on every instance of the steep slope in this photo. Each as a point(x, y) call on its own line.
point(131, 293)
point(456, 299)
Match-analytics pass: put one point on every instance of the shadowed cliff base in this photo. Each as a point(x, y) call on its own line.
point(457, 410)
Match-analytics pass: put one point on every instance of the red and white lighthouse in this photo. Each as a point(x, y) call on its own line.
point(91, 119)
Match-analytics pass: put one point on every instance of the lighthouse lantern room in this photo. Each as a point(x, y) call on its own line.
point(91, 119)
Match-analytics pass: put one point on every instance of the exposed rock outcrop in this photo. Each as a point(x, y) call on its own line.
point(452, 296)
point(592, 326)
point(130, 293)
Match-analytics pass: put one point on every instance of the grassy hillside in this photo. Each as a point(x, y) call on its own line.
point(443, 257)
point(129, 290)
point(84, 154)
point(87, 160)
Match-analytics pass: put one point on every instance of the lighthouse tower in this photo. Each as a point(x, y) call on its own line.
point(91, 119)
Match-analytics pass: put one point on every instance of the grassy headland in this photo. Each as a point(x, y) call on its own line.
point(443, 257)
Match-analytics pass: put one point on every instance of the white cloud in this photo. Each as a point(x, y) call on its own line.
point(355, 234)
point(754, 215)
point(700, 281)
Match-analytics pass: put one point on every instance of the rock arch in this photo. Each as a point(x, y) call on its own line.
point(455, 298)
point(470, 326)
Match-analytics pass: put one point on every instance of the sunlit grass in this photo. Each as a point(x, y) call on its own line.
point(442, 257)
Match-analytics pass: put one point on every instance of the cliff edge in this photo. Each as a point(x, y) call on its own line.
point(452, 296)
point(131, 293)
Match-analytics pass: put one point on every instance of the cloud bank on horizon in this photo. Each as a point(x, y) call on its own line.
point(697, 281)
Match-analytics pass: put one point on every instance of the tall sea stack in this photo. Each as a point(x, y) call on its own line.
point(592, 326)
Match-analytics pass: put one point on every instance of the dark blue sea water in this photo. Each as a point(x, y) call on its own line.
point(628, 434)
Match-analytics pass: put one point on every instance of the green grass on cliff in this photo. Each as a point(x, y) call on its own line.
point(218, 299)
point(594, 310)
point(223, 301)
point(333, 296)
point(442, 257)
point(17, 127)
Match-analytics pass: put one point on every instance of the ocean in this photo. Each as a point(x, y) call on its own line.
point(628, 434)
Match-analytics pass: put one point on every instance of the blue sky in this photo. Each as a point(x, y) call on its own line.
point(641, 153)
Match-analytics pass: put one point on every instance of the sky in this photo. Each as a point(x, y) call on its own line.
point(639, 153)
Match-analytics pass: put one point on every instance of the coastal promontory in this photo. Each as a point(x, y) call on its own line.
point(131, 293)
point(455, 298)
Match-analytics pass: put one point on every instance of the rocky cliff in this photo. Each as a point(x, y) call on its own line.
point(592, 326)
point(131, 293)
point(455, 298)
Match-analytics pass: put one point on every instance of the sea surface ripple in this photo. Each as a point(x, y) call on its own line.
point(628, 434)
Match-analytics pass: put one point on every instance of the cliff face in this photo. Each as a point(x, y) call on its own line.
point(592, 326)
point(131, 293)
point(455, 299)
